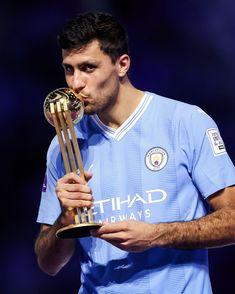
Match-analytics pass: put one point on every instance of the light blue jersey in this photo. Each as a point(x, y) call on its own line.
point(159, 166)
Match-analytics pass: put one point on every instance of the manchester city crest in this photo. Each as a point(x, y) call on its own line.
point(156, 158)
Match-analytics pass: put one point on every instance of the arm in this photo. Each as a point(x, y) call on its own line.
point(214, 230)
point(53, 253)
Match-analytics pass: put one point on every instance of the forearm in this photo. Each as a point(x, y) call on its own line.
point(214, 230)
point(53, 253)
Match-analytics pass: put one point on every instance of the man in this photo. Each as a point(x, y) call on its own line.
point(158, 177)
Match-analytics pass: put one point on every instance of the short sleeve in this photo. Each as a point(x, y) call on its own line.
point(49, 208)
point(210, 165)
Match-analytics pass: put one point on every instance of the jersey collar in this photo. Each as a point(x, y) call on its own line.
point(118, 133)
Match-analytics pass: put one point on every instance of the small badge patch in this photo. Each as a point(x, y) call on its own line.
point(44, 186)
point(156, 158)
point(216, 142)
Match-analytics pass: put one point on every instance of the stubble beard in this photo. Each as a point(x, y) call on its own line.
point(100, 108)
point(104, 104)
point(91, 109)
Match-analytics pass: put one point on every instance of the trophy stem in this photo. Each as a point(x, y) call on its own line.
point(69, 146)
point(62, 146)
point(71, 157)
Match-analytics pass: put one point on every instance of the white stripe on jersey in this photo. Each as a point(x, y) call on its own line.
point(118, 133)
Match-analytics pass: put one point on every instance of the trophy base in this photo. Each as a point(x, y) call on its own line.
point(76, 230)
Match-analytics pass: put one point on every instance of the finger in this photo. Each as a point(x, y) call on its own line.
point(72, 178)
point(88, 175)
point(107, 236)
point(108, 233)
point(75, 203)
point(72, 187)
point(73, 195)
point(108, 228)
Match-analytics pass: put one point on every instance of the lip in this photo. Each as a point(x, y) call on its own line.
point(83, 96)
point(85, 99)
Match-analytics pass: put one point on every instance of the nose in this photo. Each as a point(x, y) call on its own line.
point(78, 82)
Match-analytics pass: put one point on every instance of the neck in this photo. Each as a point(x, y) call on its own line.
point(127, 101)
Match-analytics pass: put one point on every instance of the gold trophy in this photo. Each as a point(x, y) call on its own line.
point(63, 109)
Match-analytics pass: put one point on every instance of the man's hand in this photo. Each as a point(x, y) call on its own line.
point(213, 230)
point(135, 236)
point(73, 192)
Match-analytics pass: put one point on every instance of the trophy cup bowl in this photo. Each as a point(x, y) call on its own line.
point(62, 109)
point(75, 106)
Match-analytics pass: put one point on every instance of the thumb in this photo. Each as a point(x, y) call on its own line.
point(88, 175)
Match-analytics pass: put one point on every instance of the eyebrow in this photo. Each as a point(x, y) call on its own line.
point(81, 64)
point(65, 64)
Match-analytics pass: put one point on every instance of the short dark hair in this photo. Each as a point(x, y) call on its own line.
point(86, 27)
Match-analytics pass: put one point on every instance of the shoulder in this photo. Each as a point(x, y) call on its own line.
point(171, 104)
point(185, 120)
point(177, 110)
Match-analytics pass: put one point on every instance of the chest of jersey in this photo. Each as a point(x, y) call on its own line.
point(134, 177)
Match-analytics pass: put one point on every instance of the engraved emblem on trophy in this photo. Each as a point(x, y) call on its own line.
point(63, 109)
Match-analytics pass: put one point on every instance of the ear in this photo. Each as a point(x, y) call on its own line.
point(123, 65)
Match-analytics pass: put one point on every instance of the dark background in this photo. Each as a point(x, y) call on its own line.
point(180, 49)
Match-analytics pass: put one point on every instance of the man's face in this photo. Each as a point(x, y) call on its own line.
point(91, 74)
